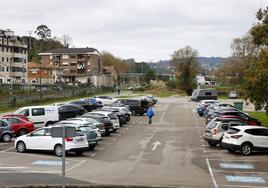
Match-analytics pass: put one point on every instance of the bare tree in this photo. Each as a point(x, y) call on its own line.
point(66, 40)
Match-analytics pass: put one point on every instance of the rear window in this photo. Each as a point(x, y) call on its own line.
point(112, 116)
point(233, 131)
point(212, 124)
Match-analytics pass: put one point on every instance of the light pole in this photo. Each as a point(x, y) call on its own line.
point(30, 34)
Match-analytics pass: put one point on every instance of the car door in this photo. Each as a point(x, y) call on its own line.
point(38, 115)
point(35, 140)
point(48, 141)
point(256, 137)
point(265, 139)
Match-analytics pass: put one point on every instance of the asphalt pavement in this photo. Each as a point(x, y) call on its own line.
point(169, 153)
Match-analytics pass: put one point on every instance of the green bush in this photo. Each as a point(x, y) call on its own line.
point(172, 84)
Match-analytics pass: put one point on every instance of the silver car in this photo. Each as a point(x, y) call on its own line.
point(215, 129)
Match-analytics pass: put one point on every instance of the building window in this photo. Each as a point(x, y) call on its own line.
point(33, 81)
point(3, 59)
point(1, 80)
point(65, 63)
point(7, 59)
point(65, 56)
point(7, 69)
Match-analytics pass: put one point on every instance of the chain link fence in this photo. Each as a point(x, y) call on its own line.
point(31, 95)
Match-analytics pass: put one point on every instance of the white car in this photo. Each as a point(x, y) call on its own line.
point(41, 139)
point(203, 102)
point(41, 116)
point(95, 124)
point(246, 139)
point(105, 100)
point(79, 122)
point(112, 116)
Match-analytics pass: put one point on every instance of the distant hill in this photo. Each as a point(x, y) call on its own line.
point(210, 60)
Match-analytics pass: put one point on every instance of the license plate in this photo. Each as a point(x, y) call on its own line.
point(110, 129)
point(80, 139)
point(92, 142)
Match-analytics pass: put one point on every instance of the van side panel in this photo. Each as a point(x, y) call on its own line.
point(204, 94)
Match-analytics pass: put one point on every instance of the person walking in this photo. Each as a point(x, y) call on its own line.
point(150, 114)
point(118, 90)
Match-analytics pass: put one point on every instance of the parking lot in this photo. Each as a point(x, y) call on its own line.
point(170, 152)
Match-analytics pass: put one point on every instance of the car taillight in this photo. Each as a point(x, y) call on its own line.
point(69, 139)
point(214, 131)
point(236, 136)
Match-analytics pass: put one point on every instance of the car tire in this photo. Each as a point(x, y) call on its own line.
point(21, 147)
point(58, 150)
point(91, 147)
point(212, 144)
point(22, 132)
point(6, 138)
point(79, 152)
point(49, 123)
point(246, 149)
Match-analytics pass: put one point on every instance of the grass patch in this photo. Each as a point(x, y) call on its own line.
point(260, 116)
point(46, 102)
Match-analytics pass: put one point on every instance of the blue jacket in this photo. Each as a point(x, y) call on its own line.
point(150, 112)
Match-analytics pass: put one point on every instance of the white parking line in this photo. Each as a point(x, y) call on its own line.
point(211, 174)
point(7, 149)
point(242, 186)
point(235, 159)
point(75, 166)
point(93, 155)
point(238, 172)
point(31, 172)
point(12, 167)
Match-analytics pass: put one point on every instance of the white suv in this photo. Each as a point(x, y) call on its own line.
point(246, 139)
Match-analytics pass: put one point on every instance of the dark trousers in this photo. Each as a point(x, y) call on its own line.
point(150, 120)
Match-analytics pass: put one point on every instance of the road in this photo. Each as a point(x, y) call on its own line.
point(169, 153)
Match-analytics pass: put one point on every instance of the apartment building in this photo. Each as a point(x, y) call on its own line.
point(74, 65)
point(13, 58)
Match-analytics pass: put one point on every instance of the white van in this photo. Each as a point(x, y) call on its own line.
point(41, 116)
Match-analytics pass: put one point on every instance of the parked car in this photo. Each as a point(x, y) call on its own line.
point(249, 120)
point(88, 106)
point(233, 95)
point(121, 116)
point(6, 132)
point(105, 120)
point(215, 129)
point(93, 123)
point(20, 126)
point(41, 116)
point(221, 111)
point(21, 116)
point(58, 104)
point(122, 109)
point(70, 110)
point(41, 140)
point(105, 100)
point(95, 104)
point(246, 139)
point(93, 135)
point(110, 115)
point(136, 106)
point(204, 94)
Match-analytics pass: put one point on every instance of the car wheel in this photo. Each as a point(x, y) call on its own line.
point(21, 147)
point(49, 123)
point(246, 149)
point(107, 133)
point(22, 132)
point(213, 144)
point(58, 150)
point(91, 147)
point(133, 112)
point(79, 152)
point(6, 137)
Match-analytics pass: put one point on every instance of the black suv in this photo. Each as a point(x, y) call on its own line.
point(136, 106)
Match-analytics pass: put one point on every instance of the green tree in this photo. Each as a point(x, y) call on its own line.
point(110, 60)
point(256, 81)
point(43, 32)
point(150, 75)
point(184, 61)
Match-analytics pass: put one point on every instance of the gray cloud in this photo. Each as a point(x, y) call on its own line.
point(142, 29)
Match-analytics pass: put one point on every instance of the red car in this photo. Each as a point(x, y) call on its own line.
point(20, 126)
point(245, 118)
point(21, 116)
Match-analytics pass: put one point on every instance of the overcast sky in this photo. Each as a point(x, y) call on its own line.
point(147, 30)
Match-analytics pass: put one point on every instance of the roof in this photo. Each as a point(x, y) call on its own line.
point(70, 51)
